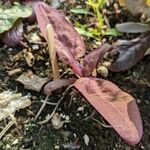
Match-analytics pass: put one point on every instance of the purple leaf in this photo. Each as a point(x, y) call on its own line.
point(91, 60)
point(32, 4)
point(116, 106)
point(130, 52)
point(68, 43)
point(65, 32)
point(14, 35)
point(57, 84)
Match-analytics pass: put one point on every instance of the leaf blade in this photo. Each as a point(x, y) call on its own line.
point(116, 106)
point(65, 32)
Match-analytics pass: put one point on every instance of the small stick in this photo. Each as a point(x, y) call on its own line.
point(6, 128)
point(52, 51)
point(54, 110)
point(42, 107)
point(49, 103)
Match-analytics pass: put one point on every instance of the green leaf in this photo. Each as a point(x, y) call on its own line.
point(84, 32)
point(8, 16)
point(81, 11)
point(113, 32)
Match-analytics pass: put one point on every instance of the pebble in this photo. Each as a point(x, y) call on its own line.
point(35, 47)
point(78, 114)
point(64, 116)
point(80, 109)
point(67, 118)
point(15, 142)
point(35, 37)
point(86, 139)
point(57, 147)
point(8, 146)
point(47, 63)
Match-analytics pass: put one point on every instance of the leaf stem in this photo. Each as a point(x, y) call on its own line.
point(52, 51)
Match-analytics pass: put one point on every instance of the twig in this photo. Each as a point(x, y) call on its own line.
point(52, 51)
point(102, 124)
point(53, 112)
point(49, 103)
point(90, 116)
point(13, 121)
point(6, 128)
point(42, 107)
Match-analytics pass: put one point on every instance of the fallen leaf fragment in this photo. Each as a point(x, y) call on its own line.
point(31, 81)
point(116, 106)
point(56, 121)
point(14, 71)
point(137, 6)
point(10, 102)
point(133, 27)
point(29, 57)
point(86, 139)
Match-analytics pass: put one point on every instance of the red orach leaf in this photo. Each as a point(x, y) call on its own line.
point(57, 84)
point(65, 32)
point(130, 52)
point(91, 60)
point(14, 35)
point(116, 106)
point(68, 43)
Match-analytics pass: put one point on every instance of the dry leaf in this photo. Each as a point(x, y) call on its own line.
point(29, 58)
point(56, 121)
point(31, 81)
point(10, 102)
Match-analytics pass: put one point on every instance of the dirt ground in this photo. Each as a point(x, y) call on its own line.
point(29, 135)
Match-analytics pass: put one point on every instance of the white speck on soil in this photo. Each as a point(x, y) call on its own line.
point(67, 118)
point(86, 139)
point(81, 108)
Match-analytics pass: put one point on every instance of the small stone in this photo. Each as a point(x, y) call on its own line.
point(67, 118)
point(35, 37)
point(8, 146)
point(86, 139)
point(78, 114)
point(15, 142)
point(64, 116)
point(74, 134)
point(57, 147)
point(47, 63)
point(10, 49)
point(35, 47)
point(80, 109)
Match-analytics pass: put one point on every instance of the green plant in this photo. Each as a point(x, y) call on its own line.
point(96, 6)
point(99, 29)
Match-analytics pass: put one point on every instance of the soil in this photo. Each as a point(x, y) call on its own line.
point(28, 134)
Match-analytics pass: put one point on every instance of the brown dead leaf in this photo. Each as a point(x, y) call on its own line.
point(31, 81)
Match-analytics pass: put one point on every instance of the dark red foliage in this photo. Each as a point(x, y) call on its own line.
point(57, 84)
point(14, 35)
point(92, 59)
point(116, 106)
point(66, 35)
point(130, 52)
